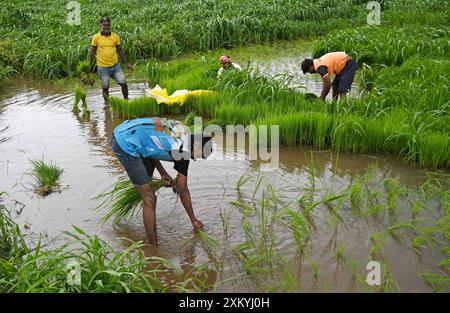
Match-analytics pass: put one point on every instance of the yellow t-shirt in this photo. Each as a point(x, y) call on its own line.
point(106, 49)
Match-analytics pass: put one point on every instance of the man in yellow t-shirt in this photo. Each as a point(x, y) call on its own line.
point(333, 63)
point(105, 45)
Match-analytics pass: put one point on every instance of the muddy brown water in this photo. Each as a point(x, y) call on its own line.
point(38, 123)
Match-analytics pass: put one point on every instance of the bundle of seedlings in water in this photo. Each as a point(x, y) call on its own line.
point(85, 73)
point(80, 95)
point(126, 200)
point(46, 177)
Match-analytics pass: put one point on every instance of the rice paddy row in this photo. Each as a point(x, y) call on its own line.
point(414, 129)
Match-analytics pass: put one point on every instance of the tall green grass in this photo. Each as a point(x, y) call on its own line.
point(175, 27)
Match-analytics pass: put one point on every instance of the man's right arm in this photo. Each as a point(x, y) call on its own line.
point(91, 54)
point(185, 197)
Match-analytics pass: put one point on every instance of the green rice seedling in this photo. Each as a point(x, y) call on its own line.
point(378, 241)
point(314, 269)
point(84, 70)
point(225, 219)
point(27, 267)
point(356, 195)
point(439, 283)
point(422, 241)
point(388, 283)
point(80, 95)
point(445, 263)
point(126, 200)
point(393, 189)
point(354, 267)
point(290, 282)
point(300, 227)
point(102, 269)
point(138, 107)
point(86, 113)
point(410, 225)
point(189, 119)
point(347, 134)
point(46, 177)
point(12, 243)
point(340, 252)
point(210, 241)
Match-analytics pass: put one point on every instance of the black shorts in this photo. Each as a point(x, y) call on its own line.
point(343, 81)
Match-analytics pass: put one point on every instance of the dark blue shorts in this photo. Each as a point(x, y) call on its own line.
point(343, 81)
point(140, 170)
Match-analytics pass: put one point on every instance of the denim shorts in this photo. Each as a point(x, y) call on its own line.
point(114, 71)
point(140, 170)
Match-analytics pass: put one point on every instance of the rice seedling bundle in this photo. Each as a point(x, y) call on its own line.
point(46, 176)
point(85, 73)
point(138, 107)
point(126, 200)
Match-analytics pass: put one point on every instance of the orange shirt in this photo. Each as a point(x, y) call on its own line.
point(334, 61)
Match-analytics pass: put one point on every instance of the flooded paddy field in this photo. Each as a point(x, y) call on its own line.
point(237, 202)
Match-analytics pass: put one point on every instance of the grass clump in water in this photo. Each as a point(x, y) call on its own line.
point(46, 176)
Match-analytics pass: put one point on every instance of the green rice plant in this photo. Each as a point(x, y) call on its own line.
point(12, 243)
point(356, 195)
point(410, 225)
point(300, 227)
point(84, 71)
point(46, 177)
point(378, 241)
point(80, 95)
point(340, 252)
point(126, 200)
point(439, 283)
point(368, 75)
point(101, 268)
point(347, 134)
point(314, 268)
point(27, 267)
point(393, 189)
point(385, 45)
point(5, 73)
point(138, 107)
point(388, 283)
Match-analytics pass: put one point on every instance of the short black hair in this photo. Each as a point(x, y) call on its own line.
point(105, 19)
point(306, 64)
point(206, 145)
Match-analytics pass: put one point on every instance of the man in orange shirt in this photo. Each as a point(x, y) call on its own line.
point(105, 45)
point(337, 63)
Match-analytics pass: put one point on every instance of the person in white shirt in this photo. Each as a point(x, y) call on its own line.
point(226, 64)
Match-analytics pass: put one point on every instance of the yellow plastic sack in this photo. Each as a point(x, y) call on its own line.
point(179, 96)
